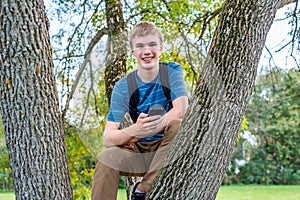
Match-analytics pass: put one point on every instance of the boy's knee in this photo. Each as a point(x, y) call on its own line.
point(109, 157)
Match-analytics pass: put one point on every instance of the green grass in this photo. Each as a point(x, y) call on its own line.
point(121, 195)
point(7, 195)
point(11, 196)
point(259, 192)
point(233, 192)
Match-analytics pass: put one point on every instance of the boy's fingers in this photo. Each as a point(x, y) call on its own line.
point(154, 117)
point(143, 115)
point(154, 124)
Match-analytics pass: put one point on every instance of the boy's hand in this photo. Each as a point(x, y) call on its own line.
point(146, 126)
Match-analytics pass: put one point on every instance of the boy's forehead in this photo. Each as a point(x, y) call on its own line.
point(146, 38)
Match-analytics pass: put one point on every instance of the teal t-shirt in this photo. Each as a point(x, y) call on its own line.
point(150, 94)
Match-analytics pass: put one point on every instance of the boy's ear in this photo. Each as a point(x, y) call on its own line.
point(133, 52)
point(161, 48)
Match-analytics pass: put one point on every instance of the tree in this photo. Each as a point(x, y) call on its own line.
point(201, 152)
point(29, 103)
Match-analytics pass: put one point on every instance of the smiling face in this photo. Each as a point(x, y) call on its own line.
point(147, 49)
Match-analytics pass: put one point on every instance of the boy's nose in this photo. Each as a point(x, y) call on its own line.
point(147, 50)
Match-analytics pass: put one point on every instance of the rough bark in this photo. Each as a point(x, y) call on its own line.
point(29, 103)
point(116, 48)
point(201, 152)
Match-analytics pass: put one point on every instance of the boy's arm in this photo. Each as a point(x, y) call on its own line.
point(112, 136)
point(178, 111)
point(145, 125)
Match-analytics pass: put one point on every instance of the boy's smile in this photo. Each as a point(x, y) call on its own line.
point(146, 50)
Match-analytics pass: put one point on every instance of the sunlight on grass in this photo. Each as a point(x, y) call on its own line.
point(122, 194)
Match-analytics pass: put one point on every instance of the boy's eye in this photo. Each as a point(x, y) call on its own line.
point(153, 45)
point(139, 46)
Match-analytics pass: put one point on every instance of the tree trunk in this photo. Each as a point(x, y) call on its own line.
point(201, 152)
point(29, 103)
point(116, 45)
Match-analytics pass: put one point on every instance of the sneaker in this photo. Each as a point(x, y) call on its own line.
point(137, 196)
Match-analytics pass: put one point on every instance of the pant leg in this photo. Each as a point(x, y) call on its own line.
point(160, 155)
point(105, 183)
point(116, 161)
point(112, 163)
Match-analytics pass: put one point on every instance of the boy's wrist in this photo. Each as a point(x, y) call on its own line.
point(164, 124)
point(130, 131)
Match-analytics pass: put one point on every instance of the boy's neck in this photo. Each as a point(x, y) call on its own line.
point(148, 75)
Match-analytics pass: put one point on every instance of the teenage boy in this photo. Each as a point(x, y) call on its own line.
point(139, 149)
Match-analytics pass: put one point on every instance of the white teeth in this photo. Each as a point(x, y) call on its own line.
point(147, 59)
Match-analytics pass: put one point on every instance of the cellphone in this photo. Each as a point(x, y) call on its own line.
point(155, 111)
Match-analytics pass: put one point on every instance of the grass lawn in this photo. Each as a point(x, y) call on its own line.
point(7, 195)
point(251, 192)
point(259, 192)
point(233, 192)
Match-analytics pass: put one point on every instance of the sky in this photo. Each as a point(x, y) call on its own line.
point(276, 39)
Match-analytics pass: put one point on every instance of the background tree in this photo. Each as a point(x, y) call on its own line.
point(29, 104)
point(273, 115)
point(267, 152)
point(116, 45)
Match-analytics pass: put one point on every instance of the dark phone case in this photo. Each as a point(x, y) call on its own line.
point(155, 111)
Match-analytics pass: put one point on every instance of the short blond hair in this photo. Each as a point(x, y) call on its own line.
point(145, 28)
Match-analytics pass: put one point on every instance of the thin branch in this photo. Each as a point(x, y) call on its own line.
point(189, 55)
point(292, 42)
point(137, 14)
point(91, 90)
point(296, 28)
point(296, 61)
point(81, 22)
point(88, 95)
point(283, 3)
point(271, 56)
point(77, 27)
point(87, 55)
point(68, 48)
point(66, 57)
point(207, 18)
point(69, 44)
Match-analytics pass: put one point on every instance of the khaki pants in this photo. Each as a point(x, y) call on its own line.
point(145, 159)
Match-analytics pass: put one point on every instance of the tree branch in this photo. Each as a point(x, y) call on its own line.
point(88, 95)
point(296, 26)
point(283, 3)
point(87, 55)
